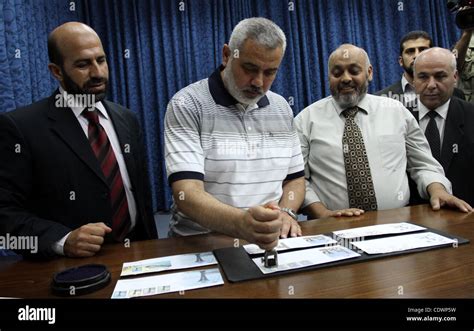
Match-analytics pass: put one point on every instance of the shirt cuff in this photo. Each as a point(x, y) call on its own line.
point(58, 246)
point(427, 180)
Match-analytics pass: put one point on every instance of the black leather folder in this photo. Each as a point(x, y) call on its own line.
point(238, 266)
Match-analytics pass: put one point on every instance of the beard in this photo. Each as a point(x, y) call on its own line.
point(408, 69)
point(72, 88)
point(349, 100)
point(233, 89)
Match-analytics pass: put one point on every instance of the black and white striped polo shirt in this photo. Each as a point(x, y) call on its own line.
point(242, 155)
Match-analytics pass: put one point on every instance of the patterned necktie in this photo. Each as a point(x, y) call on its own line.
point(105, 155)
point(432, 135)
point(360, 187)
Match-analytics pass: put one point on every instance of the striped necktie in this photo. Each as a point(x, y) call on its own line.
point(105, 155)
point(360, 188)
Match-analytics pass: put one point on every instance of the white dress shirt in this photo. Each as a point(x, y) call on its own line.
point(394, 144)
point(409, 93)
point(440, 120)
point(106, 123)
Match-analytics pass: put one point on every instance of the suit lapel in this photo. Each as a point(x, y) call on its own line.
point(453, 133)
point(65, 124)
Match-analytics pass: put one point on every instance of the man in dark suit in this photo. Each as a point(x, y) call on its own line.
point(72, 166)
point(402, 90)
point(447, 122)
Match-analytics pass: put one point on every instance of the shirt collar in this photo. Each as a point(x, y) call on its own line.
point(220, 94)
point(77, 109)
point(405, 83)
point(441, 110)
point(363, 105)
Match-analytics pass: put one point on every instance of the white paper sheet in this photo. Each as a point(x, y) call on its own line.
point(168, 263)
point(291, 243)
point(402, 243)
point(376, 230)
point(307, 257)
point(174, 282)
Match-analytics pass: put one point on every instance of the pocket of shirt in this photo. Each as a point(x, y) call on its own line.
point(392, 151)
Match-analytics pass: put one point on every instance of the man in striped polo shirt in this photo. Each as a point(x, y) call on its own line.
point(233, 157)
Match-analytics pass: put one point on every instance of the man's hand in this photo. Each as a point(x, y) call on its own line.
point(86, 240)
point(262, 226)
point(319, 210)
point(290, 227)
point(342, 212)
point(440, 198)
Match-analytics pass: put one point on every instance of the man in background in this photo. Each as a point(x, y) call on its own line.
point(448, 122)
point(411, 45)
point(464, 51)
point(359, 147)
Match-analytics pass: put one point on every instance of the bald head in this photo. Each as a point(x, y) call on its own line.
point(347, 51)
point(66, 35)
point(437, 54)
point(77, 60)
point(435, 76)
point(349, 75)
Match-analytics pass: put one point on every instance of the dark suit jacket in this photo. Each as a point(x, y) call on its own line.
point(395, 91)
point(457, 152)
point(50, 180)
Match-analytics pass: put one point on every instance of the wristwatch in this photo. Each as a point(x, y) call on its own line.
point(290, 212)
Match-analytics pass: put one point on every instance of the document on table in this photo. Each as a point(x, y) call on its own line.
point(291, 243)
point(307, 257)
point(173, 282)
point(168, 263)
point(402, 243)
point(377, 230)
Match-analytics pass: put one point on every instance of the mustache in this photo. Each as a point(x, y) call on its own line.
point(95, 81)
point(254, 89)
point(343, 85)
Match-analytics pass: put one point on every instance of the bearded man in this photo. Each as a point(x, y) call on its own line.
point(72, 166)
point(233, 157)
point(403, 90)
point(358, 147)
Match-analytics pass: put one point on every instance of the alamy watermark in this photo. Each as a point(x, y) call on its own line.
point(75, 101)
point(27, 243)
point(238, 148)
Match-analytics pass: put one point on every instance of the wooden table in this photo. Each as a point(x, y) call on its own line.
point(439, 273)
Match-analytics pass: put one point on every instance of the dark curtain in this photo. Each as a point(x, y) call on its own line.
point(155, 48)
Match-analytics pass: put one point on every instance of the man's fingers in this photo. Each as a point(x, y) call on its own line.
point(95, 240)
point(286, 227)
point(461, 205)
point(98, 229)
point(434, 201)
point(86, 246)
point(267, 227)
point(267, 245)
point(350, 212)
point(267, 239)
point(295, 230)
point(263, 214)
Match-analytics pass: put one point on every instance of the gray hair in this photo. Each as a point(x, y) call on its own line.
point(367, 60)
point(438, 50)
point(262, 30)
